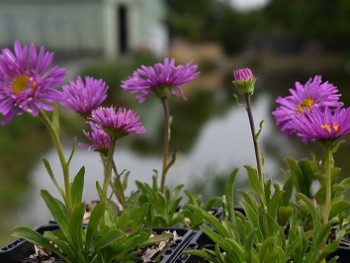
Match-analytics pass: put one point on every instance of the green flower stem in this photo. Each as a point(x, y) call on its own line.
point(117, 187)
point(328, 181)
point(65, 170)
point(108, 171)
point(255, 141)
point(119, 191)
point(166, 142)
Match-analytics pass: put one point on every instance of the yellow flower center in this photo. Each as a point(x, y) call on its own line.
point(21, 83)
point(305, 104)
point(329, 128)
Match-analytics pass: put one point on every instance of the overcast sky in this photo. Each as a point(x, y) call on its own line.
point(248, 4)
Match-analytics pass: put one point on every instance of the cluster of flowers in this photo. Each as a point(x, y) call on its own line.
point(313, 112)
point(28, 85)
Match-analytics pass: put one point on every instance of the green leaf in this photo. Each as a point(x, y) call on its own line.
point(99, 190)
point(126, 174)
point(303, 174)
point(138, 214)
point(236, 250)
point(265, 247)
point(230, 193)
point(107, 239)
point(57, 209)
point(172, 161)
point(255, 183)
point(211, 202)
point(71, 154)
point(341, 188)
point(251, 210)
point(321, 236)
point(267, 188)
point(36, 238)
point(288, 191)
point(337, 207)
point(212, 220)
point(92, 226)
point(75, 227)
point(157, 238)
point(52, 176)
point(248, 245)
point(336, 146)
point(57, 238)
point(273, 205)
point(192, 198)
point(277, 255)
point(77, 187)
point(284, 213)
point(221, 240)
point(259, 131)
point(306, 203)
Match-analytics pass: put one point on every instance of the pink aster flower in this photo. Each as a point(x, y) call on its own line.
point(100, 141)
point(163, 79)
point(117, 123)
point(327, 124)
point(84, 97)
point(26, 82)
point(314, 94)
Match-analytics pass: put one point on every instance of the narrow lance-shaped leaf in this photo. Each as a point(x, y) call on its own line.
point(230, 194)
point(57, 210)
point(52, 176)
point(71, 154)
point(36, 238)
point(107, 239)
point(338, 207)
point(93, 224)
point(75, 227)
point(77, 187)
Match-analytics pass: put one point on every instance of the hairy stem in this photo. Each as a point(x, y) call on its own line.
point(328, 182)
point(108, 171)
point(63, 162)
point(117, 187)
point(166, 143)
point(255, 141)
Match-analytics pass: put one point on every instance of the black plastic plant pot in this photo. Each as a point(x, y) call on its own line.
point(175, 248)
point(21, 249)
point(217, 212)
point(199, 241)
point(343, 253)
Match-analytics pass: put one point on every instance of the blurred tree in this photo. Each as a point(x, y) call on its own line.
point(212, 21)
point(322, 20)
point(187, 18)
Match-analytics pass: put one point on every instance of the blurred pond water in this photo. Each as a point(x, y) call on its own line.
point(212, 136)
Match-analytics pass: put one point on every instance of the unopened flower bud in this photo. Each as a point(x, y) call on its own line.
point(244, 81)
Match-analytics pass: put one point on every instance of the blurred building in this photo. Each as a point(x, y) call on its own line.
point(75, 28)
